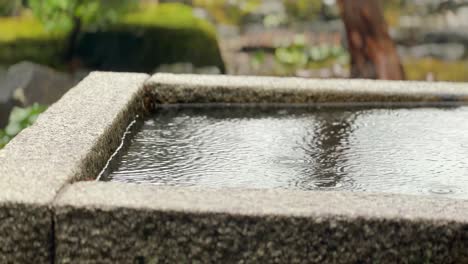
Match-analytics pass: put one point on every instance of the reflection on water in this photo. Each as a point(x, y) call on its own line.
point(400, 150)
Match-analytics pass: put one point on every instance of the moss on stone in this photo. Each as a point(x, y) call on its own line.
point(161, 34)
point(419, 69)
point(140, 41)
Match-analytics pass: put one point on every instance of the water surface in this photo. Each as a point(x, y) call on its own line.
point(401, 150)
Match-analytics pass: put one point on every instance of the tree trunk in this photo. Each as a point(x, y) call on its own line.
point(373, 53)
point(72, 40)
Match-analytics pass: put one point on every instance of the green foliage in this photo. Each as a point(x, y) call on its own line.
point(25, 38)
point(61, 15)
point(303, 10)
point(299, 55)
point(7, 7)
point(274, 20)
point(139, 41)
point(258, 59)
point(22, 27)
point(157, 34)
point(170, 15)
point(228, 11)
point(20, 118)
point(453, 71)
point(42, 51)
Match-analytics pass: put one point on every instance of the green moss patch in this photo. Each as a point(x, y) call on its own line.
point(160, 34)
point(140, 41)
point(418, 69)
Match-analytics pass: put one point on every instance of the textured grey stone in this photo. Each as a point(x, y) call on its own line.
point(27, 83)
point(34, 83)
point(171, 89)
point(45, 216)
point(70, 141)
point(25, 233)
point(443, 51)
point(124, 223)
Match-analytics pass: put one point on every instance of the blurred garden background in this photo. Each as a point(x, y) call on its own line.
point(47, 46)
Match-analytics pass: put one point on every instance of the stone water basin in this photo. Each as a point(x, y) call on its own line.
point(225, 169)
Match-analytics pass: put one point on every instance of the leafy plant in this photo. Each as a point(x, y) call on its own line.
point(228, 11)
point(22, 27)
point(419, 69)
point(20, 118)
point(274, 20)
point(294, 54)
point(258, 59)
point(298, 54)
point(8, 7)
point(165, 33)
point(303, 10)
point(73, 15)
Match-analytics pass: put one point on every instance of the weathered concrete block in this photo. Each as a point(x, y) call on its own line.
point(70, 141)
point(125, 223)
point(46, 216)
point(26, 234)
point(176, 89)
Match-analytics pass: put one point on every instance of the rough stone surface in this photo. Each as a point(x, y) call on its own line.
point(178, 225)
point(117, 223)
point(70, 141)
point(25, 233)
point(172, 89)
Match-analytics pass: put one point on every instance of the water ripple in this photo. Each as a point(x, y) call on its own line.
point(414, 151)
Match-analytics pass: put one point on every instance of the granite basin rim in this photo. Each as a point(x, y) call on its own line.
point(43, 173)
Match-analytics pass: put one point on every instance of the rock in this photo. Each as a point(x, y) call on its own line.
point(266, 8)
point(227, 31)
point(6, 105)
point(447, 51)
point(457, 35)
point(202, 14)
point(187, 68)
point(3, 72)
point(27, 83)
